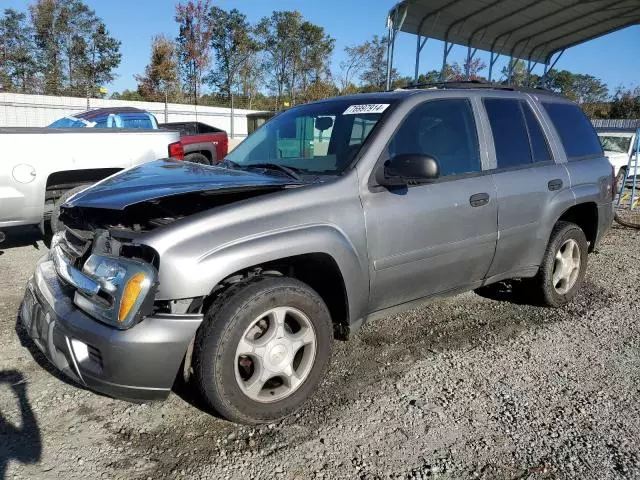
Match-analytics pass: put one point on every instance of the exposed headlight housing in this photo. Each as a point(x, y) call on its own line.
point(125, 286)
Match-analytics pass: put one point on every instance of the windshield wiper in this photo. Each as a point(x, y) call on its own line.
point(275, 166)
point(289, 171)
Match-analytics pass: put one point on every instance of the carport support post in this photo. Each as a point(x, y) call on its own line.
point(550, 67)
point(419, 46)
point(530, 68)
point(467, 66)
point(447, 49)
point(390, 43)
point(492, 61)
point(393, 26)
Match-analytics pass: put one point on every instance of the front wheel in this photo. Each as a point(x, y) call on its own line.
point(564, 265)
point(263, 349)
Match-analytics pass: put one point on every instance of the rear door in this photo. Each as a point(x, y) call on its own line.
point(527, 180)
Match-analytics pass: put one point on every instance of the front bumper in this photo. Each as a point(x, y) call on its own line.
point(140, 363)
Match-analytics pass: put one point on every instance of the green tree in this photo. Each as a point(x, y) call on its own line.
point(131, 95)
point(518, 73)
point(279, 37)
point(233, 44)
point(434, 76)
point(160, 78)
point(17, 65)
point(315, 60)
point(74, 51)
point(194, 42)
point(100, 55)
point(374, 75)
point(626, 103)
point(48, 28)
point(586, 90)
point(468, 70)
point(251, 75)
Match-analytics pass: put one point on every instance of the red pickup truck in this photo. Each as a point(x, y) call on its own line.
point(201, 143)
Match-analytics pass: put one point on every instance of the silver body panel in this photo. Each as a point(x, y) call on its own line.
point(393, 247)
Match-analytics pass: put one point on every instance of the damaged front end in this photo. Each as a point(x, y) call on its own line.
point(101, 244)
point(91, 304)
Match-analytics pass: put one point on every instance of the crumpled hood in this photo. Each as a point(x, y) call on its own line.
point(164, 178)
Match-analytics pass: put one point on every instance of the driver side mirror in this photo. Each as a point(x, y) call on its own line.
point(408, 169)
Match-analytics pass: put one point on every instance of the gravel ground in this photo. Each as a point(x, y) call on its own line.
point(465, 387)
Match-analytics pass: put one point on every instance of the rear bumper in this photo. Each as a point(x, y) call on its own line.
point(136, 364)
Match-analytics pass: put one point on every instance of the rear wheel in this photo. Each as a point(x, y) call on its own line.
point(263, 349)
point(197, 158)
point(564, 265)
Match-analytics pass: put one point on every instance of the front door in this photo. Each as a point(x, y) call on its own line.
point(434, 237)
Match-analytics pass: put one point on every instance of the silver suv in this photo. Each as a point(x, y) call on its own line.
point(239, 277)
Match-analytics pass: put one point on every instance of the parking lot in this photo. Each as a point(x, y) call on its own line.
point(466, 387)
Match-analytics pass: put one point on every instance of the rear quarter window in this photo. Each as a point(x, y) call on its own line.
point(577, 135)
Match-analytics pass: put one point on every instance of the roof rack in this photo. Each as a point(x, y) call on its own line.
point(460, 84)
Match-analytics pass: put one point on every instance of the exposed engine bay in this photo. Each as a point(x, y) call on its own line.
point(151, 214)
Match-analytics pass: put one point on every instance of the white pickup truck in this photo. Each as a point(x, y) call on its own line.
point(39, 165)
point(619, 144)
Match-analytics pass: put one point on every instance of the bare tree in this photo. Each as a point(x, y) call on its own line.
point(353, 65)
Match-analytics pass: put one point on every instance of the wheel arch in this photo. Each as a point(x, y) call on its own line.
point(311, 254)
point(205, 148)
point(585, 215)
point(64, 180)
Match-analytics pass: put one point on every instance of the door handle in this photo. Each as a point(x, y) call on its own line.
point(555, 184)
point(479, 199)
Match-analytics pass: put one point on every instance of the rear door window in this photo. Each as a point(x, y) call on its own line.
point(577, 135)
point(539, 145)
point(509, 132)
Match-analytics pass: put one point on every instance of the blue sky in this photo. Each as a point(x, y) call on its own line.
point(613, 58)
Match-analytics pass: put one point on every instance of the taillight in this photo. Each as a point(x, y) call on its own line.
point(225, 146)
point(176, 150)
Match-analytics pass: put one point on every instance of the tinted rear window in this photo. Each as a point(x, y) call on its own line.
point(577, 135)
point(509, 132)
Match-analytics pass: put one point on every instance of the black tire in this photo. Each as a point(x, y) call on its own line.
point(55, 225)
point(225, 323)
point(542, 283)
point(197, 158)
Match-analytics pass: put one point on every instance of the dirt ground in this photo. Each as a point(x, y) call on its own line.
point(465, 387)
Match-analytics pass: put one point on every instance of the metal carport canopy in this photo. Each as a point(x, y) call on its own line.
point(527, 29)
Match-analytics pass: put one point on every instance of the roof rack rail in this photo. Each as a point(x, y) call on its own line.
point(457, 84)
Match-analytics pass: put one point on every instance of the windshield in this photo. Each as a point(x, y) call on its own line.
point(71, 122)
point(616, 144)
point(316, 138)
